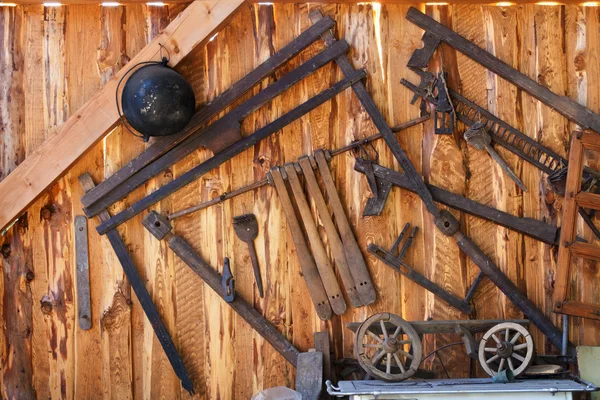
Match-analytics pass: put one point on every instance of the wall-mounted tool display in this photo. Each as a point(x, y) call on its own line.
point(227, 282)
point(160, 228)
point(246, 228)
point(389, 348)
point(395, 259)
point(142, 294)
point(569, 248)
point(82, 260)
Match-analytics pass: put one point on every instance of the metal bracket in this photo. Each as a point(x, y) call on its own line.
point(82, 260)
point(227, 282)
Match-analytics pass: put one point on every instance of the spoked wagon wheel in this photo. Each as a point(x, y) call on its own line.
point(506, 346)
point(388, 347)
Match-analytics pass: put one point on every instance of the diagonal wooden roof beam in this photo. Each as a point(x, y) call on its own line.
point(99, 115)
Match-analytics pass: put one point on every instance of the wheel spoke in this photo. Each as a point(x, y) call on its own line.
point(507, 334)
point(399, 363)
point(373, 345)
point(515, 338)
point(408, 341)
point(405, 354)
point(492, 359)
point(374, 336)
point(518, 357)
point(520, 346)
point(383, 329)
point(491, 349)
point(501, 365)
point(377, 357)
point(510, 364)
point(397, 332)
point(388, 364)
point(495, 338)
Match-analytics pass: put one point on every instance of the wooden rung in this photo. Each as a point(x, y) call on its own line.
point(585, 250)
point(588, 200)
point(579, 309)
point(591, 141)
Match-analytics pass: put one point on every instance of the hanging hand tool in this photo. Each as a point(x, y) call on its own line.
point(142, 294)
point(443, 219)
point(478, 137)
point(160, 228)
point(84, 302)
point(333, 237)
point(338, 304)
point(246, 228)
point(227, 282)
point(396, 262)
point(443, 117)
point(356, 261)
point(307, 263)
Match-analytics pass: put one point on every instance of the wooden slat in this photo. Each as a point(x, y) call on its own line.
point(581, 309)
point(590, 141)
point(588, 200)
point(585, 250)
point(93, 120)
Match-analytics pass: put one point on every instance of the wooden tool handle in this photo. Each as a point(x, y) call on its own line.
point(338, 304)
point(333, 237)
point(309, 269)
point(257, 277)
point(356, 262)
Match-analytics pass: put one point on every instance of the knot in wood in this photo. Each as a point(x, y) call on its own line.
point(29, 275)
point(5, 250)
point(46, 306)
point(46, 213)
point(477, 136)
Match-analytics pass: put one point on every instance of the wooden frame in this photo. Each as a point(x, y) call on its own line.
point(568, 247)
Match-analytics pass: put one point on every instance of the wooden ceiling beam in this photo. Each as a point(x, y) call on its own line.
point(99, 115)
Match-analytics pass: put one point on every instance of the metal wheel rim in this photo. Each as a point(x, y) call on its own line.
point(506, 346)
point(381, 355)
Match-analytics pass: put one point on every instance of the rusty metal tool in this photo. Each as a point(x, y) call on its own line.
point(335, 242)
point(356, 261)
point(478, 137)
point(307, 263)
point(160, 228)
point(444, 221)
point(227, 282)
point(332, 288)
point(397, 263)
point(246, 228)
point(142, 294)
point(443, 118)
point(82, 259)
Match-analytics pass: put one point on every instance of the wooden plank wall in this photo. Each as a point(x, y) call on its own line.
point(52, 61)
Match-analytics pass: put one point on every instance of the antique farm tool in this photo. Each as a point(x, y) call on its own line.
point(356, 261)
point(258, 184)
point(160, 228)
point(333, 237)
point(443, 118)
point(396, 262)
point(506, 346)
point(162, 145)
point(227, 282)
point(444, 221)
point(307, 263)
point(509, 340)
point(246, 228)
point(399, 348)
point(568, 248)
point(82, 260)
point(332, 288)
point(241, 145)
point(478, 137)
point(435, 33)
point(142, 294)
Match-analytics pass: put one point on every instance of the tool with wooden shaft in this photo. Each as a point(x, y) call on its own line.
point(338, 304)
point(307, 263)
point(333, 237)
point(246, 228)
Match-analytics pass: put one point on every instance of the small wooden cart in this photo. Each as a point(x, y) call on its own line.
point(389, 348)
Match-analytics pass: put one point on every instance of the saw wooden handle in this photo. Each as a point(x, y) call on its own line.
point(333, 237)
point(356, 262)
point(334, 293)
point(309, 269)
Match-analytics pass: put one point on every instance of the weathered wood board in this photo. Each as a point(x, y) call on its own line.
point(53, 61)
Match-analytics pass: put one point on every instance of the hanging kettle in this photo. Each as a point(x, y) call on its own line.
point(156, 100)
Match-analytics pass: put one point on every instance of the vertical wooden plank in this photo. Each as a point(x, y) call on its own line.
point(82, 37)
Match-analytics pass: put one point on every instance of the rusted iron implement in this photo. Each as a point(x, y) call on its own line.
point(142, 294)
point(162, 145)
point(160, 228)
